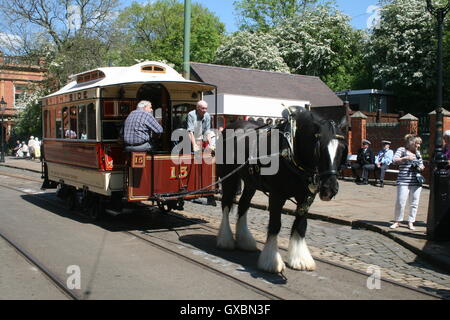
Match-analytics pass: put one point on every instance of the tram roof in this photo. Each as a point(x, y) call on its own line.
point(128, 75)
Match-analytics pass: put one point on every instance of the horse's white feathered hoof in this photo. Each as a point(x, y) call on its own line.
point(246, 242)
point(299, 257)
point(270, 259)
point(244, 238)
point(225, 238)
point(303, 265)
point(271, 263)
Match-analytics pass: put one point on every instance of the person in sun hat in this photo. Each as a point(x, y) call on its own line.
point(383, 160)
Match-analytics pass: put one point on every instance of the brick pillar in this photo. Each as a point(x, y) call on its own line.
point(445, 126)
point(358, 121)
point(409, 124)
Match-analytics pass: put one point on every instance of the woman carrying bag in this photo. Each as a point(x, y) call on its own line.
point(409, 180)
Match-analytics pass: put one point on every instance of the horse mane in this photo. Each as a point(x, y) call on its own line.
point(326, 128)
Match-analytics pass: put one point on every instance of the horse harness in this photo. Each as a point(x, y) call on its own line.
point(287, 131)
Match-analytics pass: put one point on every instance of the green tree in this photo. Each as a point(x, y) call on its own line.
point(262, 15)
point(154, 31)
point(251, 50)
point(72, 35)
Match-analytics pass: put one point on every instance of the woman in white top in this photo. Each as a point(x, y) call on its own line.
point(410, 164)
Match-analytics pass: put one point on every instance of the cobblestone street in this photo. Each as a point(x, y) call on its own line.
point(353, 248)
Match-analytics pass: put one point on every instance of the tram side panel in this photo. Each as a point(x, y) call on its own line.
point(96, 166)
point(169, 177)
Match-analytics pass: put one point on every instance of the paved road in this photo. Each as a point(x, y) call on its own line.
point(117, 265)
point(357, 249)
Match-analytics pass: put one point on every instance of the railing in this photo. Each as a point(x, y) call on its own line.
point(383, 124)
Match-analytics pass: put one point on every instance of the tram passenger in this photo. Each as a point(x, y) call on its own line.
point(199, 127)
point(139, 128)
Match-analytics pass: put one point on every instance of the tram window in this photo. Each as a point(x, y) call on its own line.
point(46, 124)
point(269, 121)
point(220, 122)
point(73, 122)
point(111, 130)
point(91, 122)
point(158, 115)
point(68, 133)
point(179, 115)
point(58, 125)
point(260, 120)
point(82, 129)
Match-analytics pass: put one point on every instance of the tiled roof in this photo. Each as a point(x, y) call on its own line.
point(242, 81)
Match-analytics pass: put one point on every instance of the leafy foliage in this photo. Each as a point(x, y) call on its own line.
point(262, 15)
point(319, 41)
point(154, 31)
point(402, 52)
point(72, 35)
point(29, 122)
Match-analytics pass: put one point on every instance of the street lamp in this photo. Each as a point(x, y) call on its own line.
point(2, 109)
point(438, 220)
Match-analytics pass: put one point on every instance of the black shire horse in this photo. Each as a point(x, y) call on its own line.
point(310, 153)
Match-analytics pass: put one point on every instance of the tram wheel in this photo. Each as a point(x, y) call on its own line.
point(62, 191)
point(97, 209)
point(70, 198)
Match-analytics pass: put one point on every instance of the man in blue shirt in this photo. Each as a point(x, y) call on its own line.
point(383, 160)
point(199, 126)
point(139, 128)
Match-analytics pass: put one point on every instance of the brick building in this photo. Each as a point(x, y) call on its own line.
point(16, 74)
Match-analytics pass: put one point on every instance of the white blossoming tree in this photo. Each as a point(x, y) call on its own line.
point(318, 41)
point(322, 42)
point(29, 121)
point(251, 50)
point(402, 52)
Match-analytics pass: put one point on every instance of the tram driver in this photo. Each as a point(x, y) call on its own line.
point(139, 128)
point(199, 127)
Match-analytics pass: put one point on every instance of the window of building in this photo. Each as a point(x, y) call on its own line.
point(19, 90)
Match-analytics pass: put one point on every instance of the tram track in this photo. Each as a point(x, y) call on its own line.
point(148, 239)
point(53, 278)
point(215, 230)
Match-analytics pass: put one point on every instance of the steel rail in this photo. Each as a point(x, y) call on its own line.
point(316, 258)
point(245, 284)
point(211, 229)
point(54, 279)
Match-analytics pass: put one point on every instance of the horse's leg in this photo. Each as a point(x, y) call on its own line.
point(244, 239)
point(225, 237)
point(270, 259)
point(299, 256)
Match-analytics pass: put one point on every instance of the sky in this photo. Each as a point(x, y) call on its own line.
point(356, 9)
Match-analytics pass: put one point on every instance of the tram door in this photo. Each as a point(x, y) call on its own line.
point(158, 95)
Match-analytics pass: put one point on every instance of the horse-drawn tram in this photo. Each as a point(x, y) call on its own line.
point(84, 155)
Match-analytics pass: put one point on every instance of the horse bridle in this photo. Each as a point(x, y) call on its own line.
point(289, 136)
point(317, 149)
